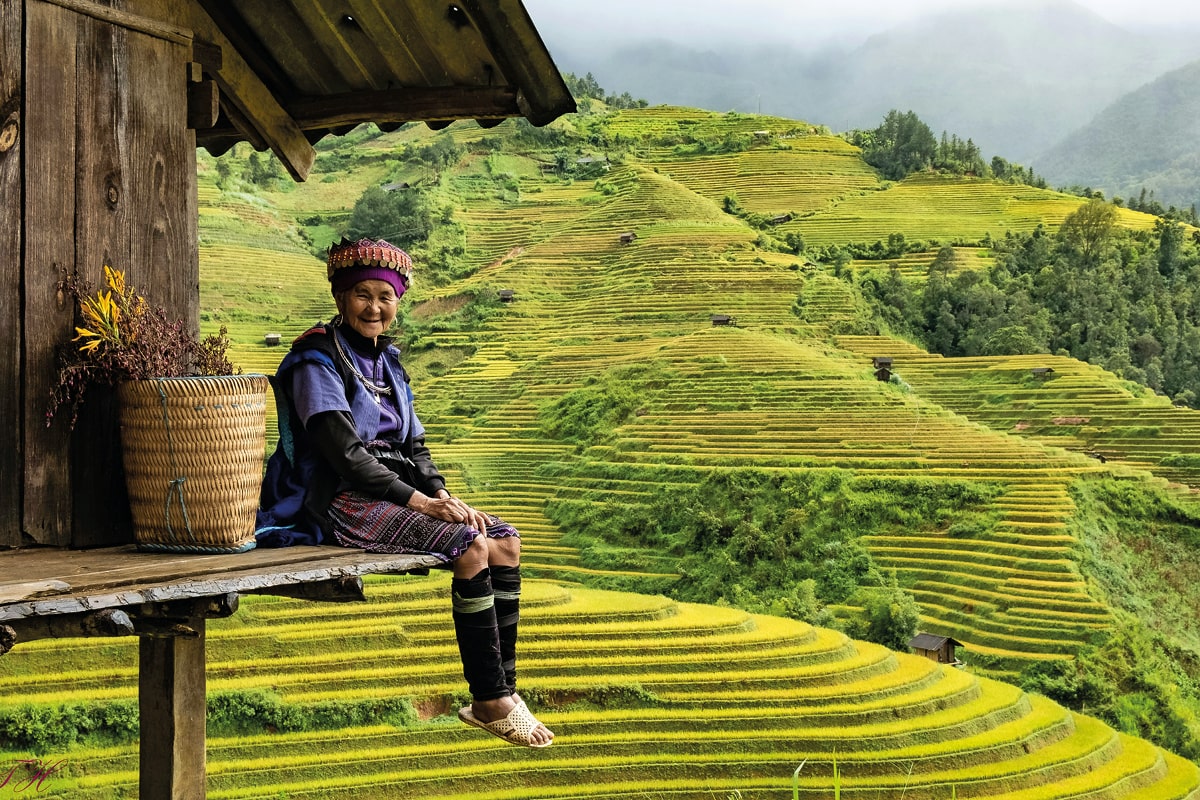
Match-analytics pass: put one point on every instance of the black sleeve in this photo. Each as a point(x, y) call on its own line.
point(427, 473)
point(334, 438)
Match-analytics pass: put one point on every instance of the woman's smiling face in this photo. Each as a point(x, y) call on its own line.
point(369, 307)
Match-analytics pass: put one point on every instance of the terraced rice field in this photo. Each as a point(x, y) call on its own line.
point(731, 703)
point(808, 176)
point(943, 208)
point(775, 390)
point(660, 124)
point(916, 265)
point(1076, 406)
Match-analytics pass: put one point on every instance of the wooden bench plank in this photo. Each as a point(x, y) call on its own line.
point(42, 581)
point(24, 591)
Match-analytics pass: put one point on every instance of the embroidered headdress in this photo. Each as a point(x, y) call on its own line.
point(364, 260)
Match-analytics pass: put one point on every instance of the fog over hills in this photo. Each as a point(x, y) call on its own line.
point(1017, 78)
point(1149, 138)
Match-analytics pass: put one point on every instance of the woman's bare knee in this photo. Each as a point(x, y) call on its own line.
point(473, 560)
point(505, 551)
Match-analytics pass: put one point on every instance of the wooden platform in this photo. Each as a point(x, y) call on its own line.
point(50, 581)
point(165, 599)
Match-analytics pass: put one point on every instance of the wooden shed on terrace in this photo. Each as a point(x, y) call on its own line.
point(103, 104)
point(936, 648)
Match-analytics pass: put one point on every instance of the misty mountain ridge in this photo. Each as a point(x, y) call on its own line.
point(1147, 139)
point(1017, 80)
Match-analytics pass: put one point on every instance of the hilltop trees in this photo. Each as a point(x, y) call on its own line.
point(1126, 300)
point(401, 217)
point(900, 146)
point(588, 87)
point(903, 144)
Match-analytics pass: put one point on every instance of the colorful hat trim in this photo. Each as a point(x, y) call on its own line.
point(368, 253)
point(351, 262)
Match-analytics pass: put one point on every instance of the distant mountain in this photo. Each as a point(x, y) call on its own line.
point(1016, 79)
point(1150, 138)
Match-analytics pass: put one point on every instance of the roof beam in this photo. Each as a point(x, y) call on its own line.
point(418, 104)
point(404, 105)
point(255, 104)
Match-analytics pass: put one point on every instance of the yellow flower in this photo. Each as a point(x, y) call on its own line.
point(87, 347)
point(115, 279)
point(102, 314)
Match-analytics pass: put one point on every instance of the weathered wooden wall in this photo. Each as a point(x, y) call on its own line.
point(109, 178)
point(49, 246)
point(12, 140)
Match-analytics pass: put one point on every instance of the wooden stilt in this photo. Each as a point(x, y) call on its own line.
point(171, 697)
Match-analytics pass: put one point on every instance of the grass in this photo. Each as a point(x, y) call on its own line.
point(802, 696)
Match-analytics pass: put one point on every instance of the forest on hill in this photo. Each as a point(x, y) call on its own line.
point(764, 401)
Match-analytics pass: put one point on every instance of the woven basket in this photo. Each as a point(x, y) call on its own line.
point(193, 454)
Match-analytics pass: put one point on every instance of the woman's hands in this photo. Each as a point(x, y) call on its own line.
point(448, 508)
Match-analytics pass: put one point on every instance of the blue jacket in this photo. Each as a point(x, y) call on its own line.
point(299, 483)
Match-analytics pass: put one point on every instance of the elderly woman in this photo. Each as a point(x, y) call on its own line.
point(352, 467)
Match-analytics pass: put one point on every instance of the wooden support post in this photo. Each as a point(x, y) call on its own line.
point(203, 104)
point(12, 146)
point(171, 699)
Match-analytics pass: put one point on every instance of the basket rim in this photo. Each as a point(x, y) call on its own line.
point(193, 377)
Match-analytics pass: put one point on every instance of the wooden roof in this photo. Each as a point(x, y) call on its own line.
point(930, 641)
point(292, 71)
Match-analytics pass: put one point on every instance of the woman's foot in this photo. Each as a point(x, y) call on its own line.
point(491, 710)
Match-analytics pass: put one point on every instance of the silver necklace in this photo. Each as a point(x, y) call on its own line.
point(375, 389)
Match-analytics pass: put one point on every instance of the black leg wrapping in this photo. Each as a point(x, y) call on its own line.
point(506, 581)
point(474, 612)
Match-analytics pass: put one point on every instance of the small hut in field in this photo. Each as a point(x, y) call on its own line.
point(936, 648)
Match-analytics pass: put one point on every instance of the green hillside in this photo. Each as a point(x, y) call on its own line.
point(1161, 117)
point(723, 477)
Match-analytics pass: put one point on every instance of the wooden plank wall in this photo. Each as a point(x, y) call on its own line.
point(103, 211)
point(165, 245)
point(111, 180)
point(50, 92)
point(11, 146)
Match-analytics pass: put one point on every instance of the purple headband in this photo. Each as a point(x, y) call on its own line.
point(347, 277)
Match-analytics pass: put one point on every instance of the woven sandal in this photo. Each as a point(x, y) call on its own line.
point(516, 728)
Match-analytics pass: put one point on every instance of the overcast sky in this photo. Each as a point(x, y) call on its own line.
point(802, 21)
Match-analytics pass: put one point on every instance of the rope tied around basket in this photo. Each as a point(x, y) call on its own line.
point(175, 485)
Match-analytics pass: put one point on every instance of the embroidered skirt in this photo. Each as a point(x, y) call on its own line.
point(378, 526)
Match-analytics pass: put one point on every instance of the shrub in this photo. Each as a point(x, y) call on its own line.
point(45, 729)
point(591, 413)
point(892, 617)
point(766, 541)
